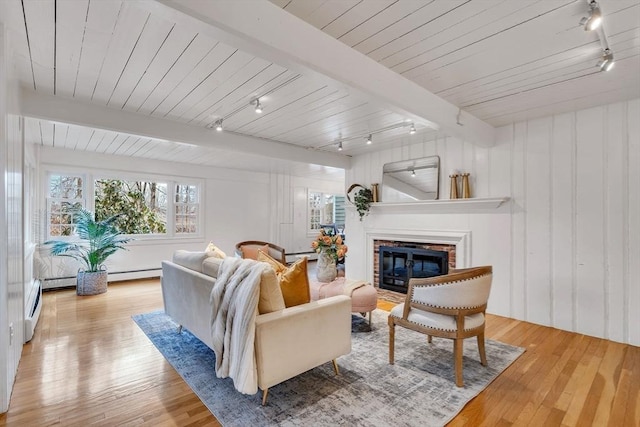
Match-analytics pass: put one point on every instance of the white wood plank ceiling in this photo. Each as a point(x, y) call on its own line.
point(501, 61)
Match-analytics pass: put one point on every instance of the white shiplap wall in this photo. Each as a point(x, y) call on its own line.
point(11, 231)
point(566, 251)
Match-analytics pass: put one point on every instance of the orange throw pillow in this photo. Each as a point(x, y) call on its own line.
point(251, 252)
point(294, 281)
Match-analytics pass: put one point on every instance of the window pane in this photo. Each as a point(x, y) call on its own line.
point(142, 205)
point(187, 209)
point(65, 194)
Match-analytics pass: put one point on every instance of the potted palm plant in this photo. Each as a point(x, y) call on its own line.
point(100, 240)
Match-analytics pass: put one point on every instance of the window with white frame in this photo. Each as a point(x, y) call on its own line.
point(324, 209)
point(65, 193)
point(148, 207)
point(187, 208)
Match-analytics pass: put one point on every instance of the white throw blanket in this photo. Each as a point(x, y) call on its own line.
point(234, 304)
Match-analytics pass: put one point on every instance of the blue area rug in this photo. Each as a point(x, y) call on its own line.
point(419, 390)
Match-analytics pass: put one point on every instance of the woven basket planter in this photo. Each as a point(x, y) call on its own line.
point(91, 282)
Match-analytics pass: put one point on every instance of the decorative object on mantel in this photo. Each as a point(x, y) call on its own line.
point(362, 199)
point(102, 239)
point(466, 191)
point(453, 194)
point(330, 249)
point(374, 193)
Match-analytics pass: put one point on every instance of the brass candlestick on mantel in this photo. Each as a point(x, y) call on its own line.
point(374, 193)
point(453, 194)
point(466, 191)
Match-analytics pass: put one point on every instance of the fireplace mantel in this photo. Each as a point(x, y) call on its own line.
point(436, 206)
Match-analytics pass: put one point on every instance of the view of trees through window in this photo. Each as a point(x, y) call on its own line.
point(143, 205)
point(66, 193)
point(147, 207)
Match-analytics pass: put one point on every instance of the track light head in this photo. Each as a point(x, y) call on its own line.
point(413, 173)
point(340, 146)
point(217, 125)
point(594, 20)
point(258, 107)
point(412, 130)
point(369, 139)
point(607, 62)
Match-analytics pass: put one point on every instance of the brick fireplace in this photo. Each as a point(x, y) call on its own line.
point(450, 249)
point(456, 243)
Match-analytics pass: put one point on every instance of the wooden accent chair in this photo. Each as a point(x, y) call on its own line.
point(449, 306)
point(249, 249)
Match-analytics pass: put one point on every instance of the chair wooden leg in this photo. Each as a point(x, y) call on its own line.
point(429, 339)
point(392, 338)
point(335, 367)
point(265, 393)
point(483, 356)
point(457, 350)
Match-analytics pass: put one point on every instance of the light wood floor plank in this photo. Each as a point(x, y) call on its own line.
point(89, 363)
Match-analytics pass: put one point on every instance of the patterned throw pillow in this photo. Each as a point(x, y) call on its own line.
point(294, 281)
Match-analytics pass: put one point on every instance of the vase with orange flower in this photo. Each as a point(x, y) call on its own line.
point(330, 249)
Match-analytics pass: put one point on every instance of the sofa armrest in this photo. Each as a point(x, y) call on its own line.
point(296, 339)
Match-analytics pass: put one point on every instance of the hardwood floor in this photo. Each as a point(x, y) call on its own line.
point(89, 364)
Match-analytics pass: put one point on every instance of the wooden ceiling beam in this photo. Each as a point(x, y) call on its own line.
point(267, 31)
point(64, 110)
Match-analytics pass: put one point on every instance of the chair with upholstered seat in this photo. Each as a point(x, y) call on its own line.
point(449, 306)
point(250, 248)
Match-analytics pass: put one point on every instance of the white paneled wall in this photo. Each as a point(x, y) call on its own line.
point(238, 206)
point(566, 251)
point(11, 231)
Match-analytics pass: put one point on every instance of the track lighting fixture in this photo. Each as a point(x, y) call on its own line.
point(594, 20)
point(217, 125)
point(368, 137)
point(258, 107)
point(607, 62)
point(413, 173)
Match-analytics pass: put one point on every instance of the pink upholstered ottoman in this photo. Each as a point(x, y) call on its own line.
point(364, 298)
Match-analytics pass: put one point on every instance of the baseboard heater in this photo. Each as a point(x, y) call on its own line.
point(33, 307)
point(50, 283)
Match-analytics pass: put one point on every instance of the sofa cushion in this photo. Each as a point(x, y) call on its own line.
point(190, 259)
point(251, 251)
point(211, 265)
point(214, 251)
point(294, 282)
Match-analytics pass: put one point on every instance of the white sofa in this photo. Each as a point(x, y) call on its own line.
point(288, 341)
